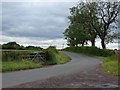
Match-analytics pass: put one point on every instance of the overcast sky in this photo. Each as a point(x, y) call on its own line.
point(36, 23)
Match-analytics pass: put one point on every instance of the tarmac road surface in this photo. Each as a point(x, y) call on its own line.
point(78, 62)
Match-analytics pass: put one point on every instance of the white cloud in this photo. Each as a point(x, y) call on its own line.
point(58, 0)
point(40, 0)
point(42, 42)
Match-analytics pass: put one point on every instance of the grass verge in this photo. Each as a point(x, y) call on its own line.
point(62, 58)
point(19, 65)
point(110, 65)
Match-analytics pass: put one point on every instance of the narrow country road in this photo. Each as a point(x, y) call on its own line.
point(78, 62)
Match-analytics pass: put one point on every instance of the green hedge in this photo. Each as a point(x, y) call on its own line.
point(91, 51)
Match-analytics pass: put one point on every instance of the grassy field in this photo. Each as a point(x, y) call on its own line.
point(110, 65)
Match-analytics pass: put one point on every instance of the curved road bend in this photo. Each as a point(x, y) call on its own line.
point(78, 63)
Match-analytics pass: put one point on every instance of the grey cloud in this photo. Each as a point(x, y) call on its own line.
point(41, 20)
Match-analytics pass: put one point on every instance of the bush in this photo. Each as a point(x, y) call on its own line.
point(52, 51)
point(90, 50)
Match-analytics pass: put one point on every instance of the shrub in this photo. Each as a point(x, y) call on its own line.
point(52, 51)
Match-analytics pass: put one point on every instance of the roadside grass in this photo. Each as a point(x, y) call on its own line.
point(59, 58)
point(62, 58)
point(110, 65)
point(19, 65)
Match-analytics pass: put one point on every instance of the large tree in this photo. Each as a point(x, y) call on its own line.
point(81, 23)
point(107, 13)
point(95, 18)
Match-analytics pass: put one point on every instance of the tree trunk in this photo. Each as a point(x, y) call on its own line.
point(73, 45)
point(93, 42)
point(82, 43)
point(103, 43)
